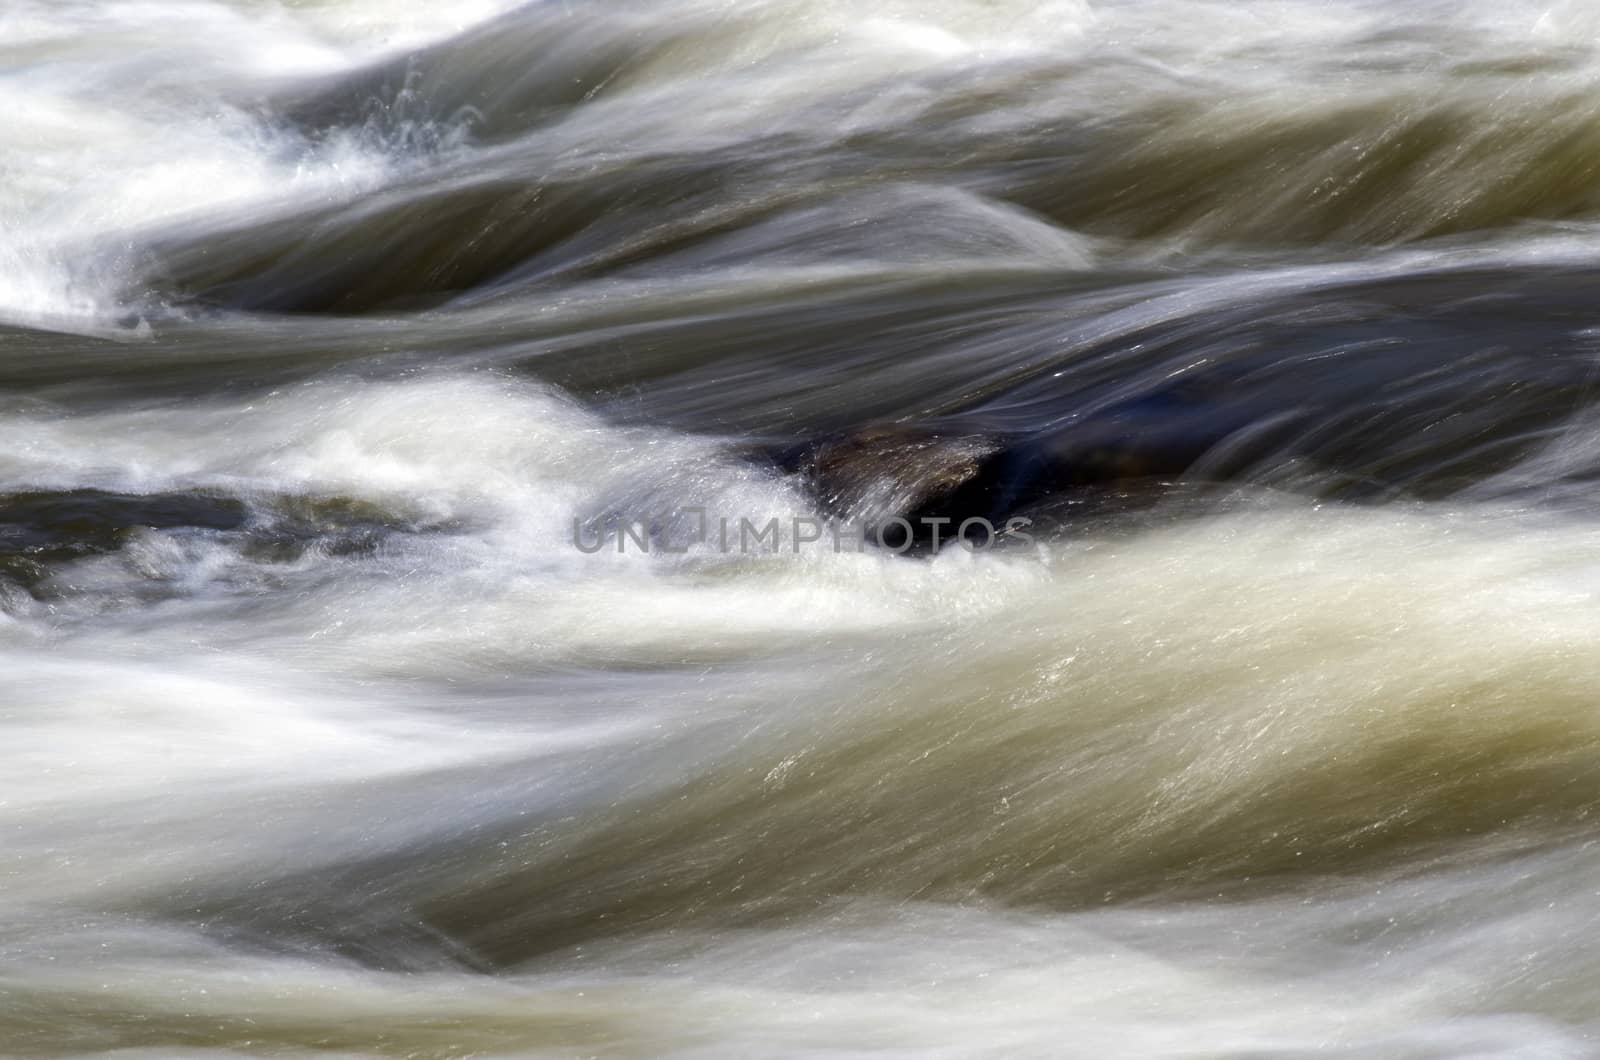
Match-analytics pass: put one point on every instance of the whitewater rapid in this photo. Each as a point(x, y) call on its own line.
point(331, 330)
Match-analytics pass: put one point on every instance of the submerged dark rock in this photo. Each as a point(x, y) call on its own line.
point(885, 470)
point(41, 530)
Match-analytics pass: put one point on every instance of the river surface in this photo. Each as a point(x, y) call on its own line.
point(727, 528)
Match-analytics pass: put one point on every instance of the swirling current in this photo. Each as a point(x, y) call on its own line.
point(724, 528)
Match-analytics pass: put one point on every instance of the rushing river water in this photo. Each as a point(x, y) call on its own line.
point(379, 379)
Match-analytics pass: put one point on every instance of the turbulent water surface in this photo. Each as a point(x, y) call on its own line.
point(375, 376)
